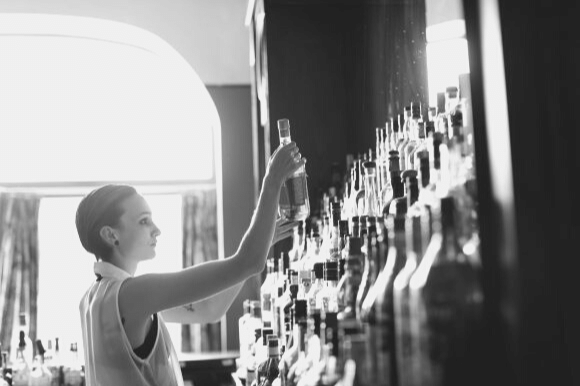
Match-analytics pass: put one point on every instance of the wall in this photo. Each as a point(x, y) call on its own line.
point(210, 34)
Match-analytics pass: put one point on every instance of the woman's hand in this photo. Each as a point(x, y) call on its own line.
point(285, 161)
point(284, 229)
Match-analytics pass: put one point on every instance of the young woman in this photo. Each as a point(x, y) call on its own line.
point(123, 316)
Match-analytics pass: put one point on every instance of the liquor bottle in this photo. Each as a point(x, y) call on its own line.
point(371, 198)
point(396, 133)
point(294, 202)
point(420, 150)
point(317, 286)
point(417, 233)
point(396, 188)
point(73, 369)
point(268, 370)
point(40, 375)
point(334, 244)
point(21, 364)
point(55, 364)
point(377, 311)
point(292, 352)
point(370, 271)
point(404, 137)
point(326, 299)
point(416, 121)
point(266, 294)
point(348, 286)
point(446, 305)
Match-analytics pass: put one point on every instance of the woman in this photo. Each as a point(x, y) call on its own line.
point(122, 315)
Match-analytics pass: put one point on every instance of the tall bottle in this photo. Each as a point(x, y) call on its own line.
point(377, 311)
point(317, 286)
point(266, 294)
point(326, 299)
point(396, 188)
point(446, 303)
point(371, 201)
point(294, 202)
point(347, 288)
point(415, 124)
point(371, 263)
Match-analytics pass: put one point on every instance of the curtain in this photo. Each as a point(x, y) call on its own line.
point(18, 264)
point(199, 215)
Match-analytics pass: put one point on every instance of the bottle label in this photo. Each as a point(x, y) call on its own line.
point(296, 190)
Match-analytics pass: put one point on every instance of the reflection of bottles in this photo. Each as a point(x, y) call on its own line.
point(294, 203)
point(446, 305)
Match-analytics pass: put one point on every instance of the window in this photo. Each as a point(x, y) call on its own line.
point(447, 56)
point(90, 101)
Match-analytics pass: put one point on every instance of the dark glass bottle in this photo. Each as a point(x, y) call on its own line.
point(377, 311)
point(268, 370)
point(446, 305)
point(397, 188)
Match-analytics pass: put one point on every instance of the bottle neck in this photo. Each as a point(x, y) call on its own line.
point(284, 140)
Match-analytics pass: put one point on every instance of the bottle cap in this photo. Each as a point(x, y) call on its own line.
point(245, 305)
point(293, 290)
point(318, 270)
point(300, 308)
point(283, 124)
point(369, 165)
point(354, 245)
point(273, 342)
point(355, 218)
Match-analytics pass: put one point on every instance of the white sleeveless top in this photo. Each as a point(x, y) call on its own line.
point(109, 358)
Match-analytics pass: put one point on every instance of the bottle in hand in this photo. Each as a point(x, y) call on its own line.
point(294, 202)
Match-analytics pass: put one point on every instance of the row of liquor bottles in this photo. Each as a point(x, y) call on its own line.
point(383, 287)
point(28, 364)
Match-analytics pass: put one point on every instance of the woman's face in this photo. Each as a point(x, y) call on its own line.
point(136, 230)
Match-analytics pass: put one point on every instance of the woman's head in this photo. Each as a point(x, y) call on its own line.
point(101, 208)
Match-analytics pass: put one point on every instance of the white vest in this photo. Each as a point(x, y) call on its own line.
point(109, 358)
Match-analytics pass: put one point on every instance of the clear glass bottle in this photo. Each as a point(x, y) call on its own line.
point(73, 370)
point(404, 137)
point(415, 124)
point(334, 244)
point(326, 299)
point(266, 294)
point(371, 200)
point(294, 202)
point(348, 285)
point(396, 187)
point(317, 286)
point(446, 304)
point(370, 270)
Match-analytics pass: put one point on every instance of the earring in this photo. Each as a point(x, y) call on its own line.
point(116, 242)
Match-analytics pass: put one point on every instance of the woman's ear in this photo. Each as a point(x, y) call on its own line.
point(109, 235)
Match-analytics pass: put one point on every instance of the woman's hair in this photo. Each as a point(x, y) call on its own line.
point(101, 207)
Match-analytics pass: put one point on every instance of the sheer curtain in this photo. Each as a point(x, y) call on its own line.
point(18, 263)
point(200, 243)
